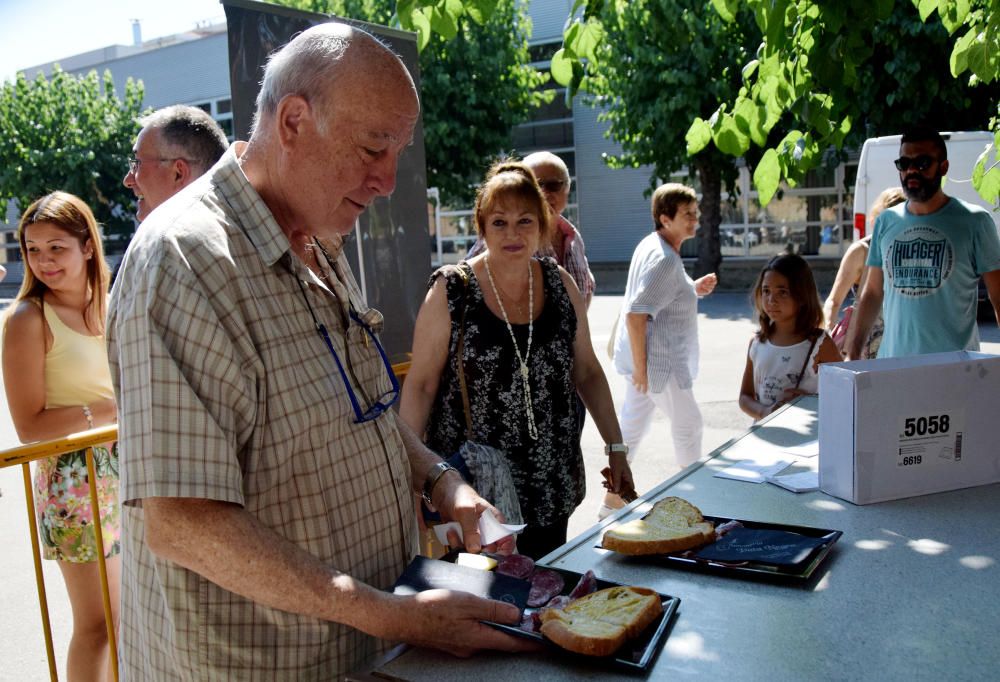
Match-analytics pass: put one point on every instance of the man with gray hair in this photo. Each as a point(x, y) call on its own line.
point(267, 486)
point(177, 144)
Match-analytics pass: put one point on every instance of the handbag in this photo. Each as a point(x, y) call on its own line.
point(484, 467)
point(839, 333)
point(611, 339)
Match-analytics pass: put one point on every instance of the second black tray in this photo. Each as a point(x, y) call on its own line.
point(798, 573)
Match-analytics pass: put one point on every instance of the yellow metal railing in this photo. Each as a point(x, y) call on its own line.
point(24, 455)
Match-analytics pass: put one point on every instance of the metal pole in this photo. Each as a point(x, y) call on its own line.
point(95, 514)
point(43, 602)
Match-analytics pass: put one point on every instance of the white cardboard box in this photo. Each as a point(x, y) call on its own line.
point(900, 427)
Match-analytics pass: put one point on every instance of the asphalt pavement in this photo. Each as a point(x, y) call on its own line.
point(725, 327)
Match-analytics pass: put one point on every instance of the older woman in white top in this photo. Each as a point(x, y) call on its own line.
point(656, 342)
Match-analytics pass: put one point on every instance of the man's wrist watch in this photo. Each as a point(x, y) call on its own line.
point(615, 447)
point(434, 474)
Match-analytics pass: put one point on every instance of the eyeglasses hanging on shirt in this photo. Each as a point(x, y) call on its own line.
point(370, 322)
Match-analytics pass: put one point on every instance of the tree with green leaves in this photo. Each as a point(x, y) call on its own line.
point(807, 66)
point(907, 81)
point(651, 83)
point(73, 134)
point(476, 85)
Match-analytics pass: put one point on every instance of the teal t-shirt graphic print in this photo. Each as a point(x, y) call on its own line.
point(930, 269)
point(920, 261)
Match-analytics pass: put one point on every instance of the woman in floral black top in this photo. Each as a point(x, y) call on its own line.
point(526, 353)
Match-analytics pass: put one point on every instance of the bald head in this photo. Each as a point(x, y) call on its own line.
point(335, 112)
point(314, 62)
point(553, 177)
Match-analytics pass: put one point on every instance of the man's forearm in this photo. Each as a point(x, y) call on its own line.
point(864, 316)
point(231, 548)
point(420, 456)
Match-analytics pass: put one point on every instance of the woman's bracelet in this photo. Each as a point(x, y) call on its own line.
point(89, 415)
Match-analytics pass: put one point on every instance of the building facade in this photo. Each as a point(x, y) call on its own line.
point(608, 206)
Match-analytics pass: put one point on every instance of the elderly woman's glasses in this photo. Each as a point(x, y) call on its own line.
point(552, 185)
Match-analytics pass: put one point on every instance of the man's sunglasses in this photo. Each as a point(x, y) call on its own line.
point(919, 163)
point(552, 185)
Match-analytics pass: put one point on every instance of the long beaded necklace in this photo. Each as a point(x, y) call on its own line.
point(523, 361)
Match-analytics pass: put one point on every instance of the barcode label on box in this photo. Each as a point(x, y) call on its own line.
point(930, 438)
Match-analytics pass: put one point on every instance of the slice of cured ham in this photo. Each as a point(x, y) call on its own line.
point(516, 566)
point(545, 585)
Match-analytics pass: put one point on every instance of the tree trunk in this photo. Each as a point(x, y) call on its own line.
point(709, 243)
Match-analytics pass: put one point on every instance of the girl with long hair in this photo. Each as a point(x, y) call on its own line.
point(784, 355)
point(55, 371)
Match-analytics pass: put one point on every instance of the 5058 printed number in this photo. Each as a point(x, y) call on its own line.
point(926, 426)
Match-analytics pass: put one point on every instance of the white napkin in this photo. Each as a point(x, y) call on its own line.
point(490, 529)
point(750, 471)
point(802, 482)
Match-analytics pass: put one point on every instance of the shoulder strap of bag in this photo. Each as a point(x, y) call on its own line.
point(815, 337)
point(461, 346)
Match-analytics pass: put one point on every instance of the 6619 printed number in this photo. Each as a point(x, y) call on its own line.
point(926, 426)
point(910, 460)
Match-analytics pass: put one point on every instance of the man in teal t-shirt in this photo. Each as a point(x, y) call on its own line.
point(925, 260)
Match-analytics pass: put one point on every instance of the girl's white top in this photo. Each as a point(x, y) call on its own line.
point(776, 368)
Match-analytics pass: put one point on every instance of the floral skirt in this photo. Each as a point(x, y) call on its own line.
point(63, 510)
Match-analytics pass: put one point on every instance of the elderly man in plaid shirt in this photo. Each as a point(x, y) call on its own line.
point(267, 488)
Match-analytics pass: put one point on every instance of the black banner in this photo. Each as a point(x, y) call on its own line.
point(390, 250)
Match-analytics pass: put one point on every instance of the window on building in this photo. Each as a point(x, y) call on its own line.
point(550, 127)
point(814, 219)
point(221, 110)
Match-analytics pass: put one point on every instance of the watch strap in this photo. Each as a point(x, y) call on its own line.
point(434, 474)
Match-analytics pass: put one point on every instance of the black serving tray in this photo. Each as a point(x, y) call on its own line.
point(636, 654)
point(797, 573)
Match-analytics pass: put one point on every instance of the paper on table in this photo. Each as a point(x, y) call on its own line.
point(802, 482)
point(490, 529)
point(750, 471)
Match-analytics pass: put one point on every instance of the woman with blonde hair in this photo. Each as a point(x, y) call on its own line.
point(55, 371)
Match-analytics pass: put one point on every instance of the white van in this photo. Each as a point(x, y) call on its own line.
point(876, 172)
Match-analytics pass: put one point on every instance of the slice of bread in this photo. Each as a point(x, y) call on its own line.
point(672, 525)
point(599, 623)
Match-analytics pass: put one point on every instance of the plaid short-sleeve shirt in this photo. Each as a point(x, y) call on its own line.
point(226, 392)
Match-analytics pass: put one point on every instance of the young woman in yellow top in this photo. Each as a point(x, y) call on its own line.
point(55, 371)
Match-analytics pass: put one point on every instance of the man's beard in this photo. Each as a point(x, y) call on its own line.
point(925, 189)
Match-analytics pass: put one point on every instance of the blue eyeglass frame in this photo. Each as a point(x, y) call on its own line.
point(380, 405)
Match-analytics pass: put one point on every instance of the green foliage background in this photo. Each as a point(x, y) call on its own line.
point(70, 133)
point(652, 82)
